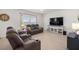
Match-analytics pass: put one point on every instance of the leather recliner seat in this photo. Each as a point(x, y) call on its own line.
point(18, 44)
point(23, 34)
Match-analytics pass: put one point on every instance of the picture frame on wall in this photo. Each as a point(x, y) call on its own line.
point(4, 17)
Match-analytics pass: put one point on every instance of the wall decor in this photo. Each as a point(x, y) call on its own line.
point(4, 17)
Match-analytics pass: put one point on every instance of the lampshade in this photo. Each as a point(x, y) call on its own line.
point(23, 26)
point(75, 26)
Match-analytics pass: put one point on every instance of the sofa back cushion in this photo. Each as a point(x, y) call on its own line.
point(14, 39)
point(35, 26)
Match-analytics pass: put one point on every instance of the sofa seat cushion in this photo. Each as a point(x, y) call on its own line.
point(25, 36)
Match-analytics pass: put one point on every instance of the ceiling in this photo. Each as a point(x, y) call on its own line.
point(50, 10)
point(43, 10)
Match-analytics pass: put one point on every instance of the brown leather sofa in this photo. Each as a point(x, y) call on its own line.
point(34, 29)
point(23, 34)
point(17, 42)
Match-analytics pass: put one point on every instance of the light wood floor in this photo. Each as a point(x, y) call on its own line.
point(49, 41)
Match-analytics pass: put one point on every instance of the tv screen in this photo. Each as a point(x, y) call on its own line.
point(58, 21)
point(52, 21)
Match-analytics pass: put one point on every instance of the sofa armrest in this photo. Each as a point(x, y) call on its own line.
point(41, 29)
point(32, 45)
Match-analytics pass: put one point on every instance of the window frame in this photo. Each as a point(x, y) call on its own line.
point(30, 15)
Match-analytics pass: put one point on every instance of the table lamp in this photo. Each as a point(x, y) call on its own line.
point(23, 26)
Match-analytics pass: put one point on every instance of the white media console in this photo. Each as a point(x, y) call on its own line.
point(56, 29)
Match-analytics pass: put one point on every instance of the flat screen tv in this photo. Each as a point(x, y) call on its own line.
point(58, 21)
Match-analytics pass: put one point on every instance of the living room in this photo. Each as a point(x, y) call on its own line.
point(39, 29)
point(51, 37)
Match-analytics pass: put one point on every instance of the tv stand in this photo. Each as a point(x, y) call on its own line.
point(56, 29)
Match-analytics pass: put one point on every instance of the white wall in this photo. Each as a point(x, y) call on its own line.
point(70, 16)
point(15, 19)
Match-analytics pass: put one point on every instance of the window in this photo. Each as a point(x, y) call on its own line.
point(29, 19)
point(33, 20)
